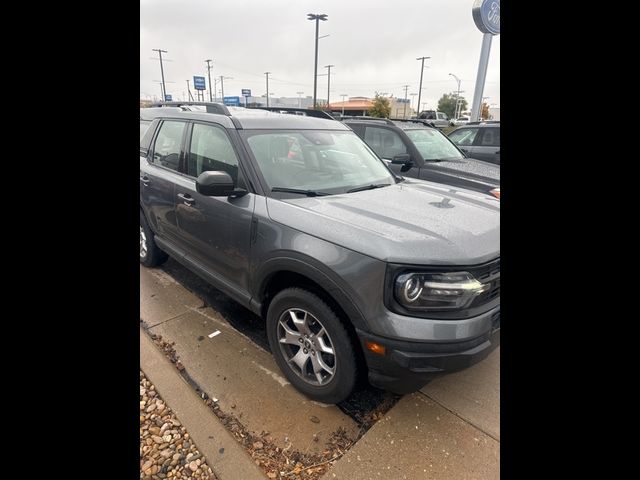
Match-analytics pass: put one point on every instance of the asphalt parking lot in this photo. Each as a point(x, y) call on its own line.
point(449, 429)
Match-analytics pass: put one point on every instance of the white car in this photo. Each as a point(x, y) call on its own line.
point(461, 121)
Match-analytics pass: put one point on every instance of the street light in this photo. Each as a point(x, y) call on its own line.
point(455, 113)
point(267, 75)
point(343, 95)
point(209, 73)
point(420, 88)
point(317, 17)
point(413, 97)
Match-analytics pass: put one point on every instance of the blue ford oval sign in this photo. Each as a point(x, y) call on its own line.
point(486, 14)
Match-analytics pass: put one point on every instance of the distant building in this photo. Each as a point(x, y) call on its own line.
point(494, 113)
point(359, 106)
point(290, 102)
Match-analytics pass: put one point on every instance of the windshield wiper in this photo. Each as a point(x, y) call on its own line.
point(308, 193)
point(368, 187)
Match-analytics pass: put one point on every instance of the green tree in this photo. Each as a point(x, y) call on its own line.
point(381, 107)
point(447, 104)
point(484, 111)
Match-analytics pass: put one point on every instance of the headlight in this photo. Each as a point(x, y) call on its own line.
point(437, 291)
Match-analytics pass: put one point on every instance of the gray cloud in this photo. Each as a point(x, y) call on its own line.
point(373, 46)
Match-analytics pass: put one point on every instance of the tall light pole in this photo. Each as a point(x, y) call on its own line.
point(209, 73)
point(455, 112)
point(421, 72)
point(222, 79)
point(406, 89)
point(328, 81)
point(299, 99)
point(267, 75)
point(413, 98)
point(343, 95)
point(317, 17)
point(164, 90)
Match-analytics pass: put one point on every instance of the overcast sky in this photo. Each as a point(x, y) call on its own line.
point(373, 45)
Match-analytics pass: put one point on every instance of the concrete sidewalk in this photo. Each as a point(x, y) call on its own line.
point(226, 457)
point(448, 430)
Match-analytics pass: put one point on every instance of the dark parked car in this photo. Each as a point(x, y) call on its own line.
point(413, 149)
point(356, 271)
point(479, 140)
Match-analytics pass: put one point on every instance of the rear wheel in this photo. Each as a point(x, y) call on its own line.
point(311, 345)
point(150, 254)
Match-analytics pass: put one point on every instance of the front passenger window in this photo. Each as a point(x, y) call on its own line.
point(211, 150)
point(386, 143)
point(166, 149)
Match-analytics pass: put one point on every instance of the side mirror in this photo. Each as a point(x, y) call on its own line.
point(402, 159)
point(214, 184)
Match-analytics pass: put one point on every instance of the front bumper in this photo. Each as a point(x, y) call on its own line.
point(407, 366)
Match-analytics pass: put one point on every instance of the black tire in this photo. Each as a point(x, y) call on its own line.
point(345, 375)
point(153, 256)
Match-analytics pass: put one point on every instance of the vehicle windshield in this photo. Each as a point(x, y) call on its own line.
point(433, 145)
point(325, 161)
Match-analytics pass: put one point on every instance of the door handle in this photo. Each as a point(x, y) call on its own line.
point(145, 180)
point(498, 152)
point(187, 199)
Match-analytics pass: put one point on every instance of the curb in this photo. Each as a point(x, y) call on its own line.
point(227, 459)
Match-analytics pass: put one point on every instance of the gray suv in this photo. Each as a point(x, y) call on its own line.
point(357, 271)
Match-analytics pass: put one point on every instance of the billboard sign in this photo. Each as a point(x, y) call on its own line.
point(199, 83)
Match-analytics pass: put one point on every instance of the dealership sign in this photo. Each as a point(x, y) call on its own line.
point(486, 14)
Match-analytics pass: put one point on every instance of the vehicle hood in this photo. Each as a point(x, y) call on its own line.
point(413, 222)
point(469, 169)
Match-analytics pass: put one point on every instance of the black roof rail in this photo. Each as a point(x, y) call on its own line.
point(306, 111)
point(363, 117)
point(212, 107)
point(414, 120)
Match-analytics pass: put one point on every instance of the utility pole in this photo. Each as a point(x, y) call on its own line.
point(299, 99)
point(209, 74)
point(343, 95)
point(164, 90)
point(267, 75)
point(421, 72)
point(413, 97)
point(455, 113)
point(406, 89)
point(328, 81)
point(317, 18)
point(189, 90)
point(222, 79)
point(215, 89)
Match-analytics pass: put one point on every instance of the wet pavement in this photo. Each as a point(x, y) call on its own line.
point(449, 429)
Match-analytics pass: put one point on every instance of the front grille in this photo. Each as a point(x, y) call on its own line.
point(487, 274)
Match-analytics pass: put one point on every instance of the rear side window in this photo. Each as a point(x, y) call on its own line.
point(166, 149)
point(386, 143)
point(464, 137)
point(490, 137)
point(211, 149)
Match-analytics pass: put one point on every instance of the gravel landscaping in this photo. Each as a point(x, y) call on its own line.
point(166, 449)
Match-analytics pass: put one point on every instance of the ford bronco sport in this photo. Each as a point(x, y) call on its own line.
point(357, 271)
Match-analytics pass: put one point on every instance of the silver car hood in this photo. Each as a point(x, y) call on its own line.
point(413, 222)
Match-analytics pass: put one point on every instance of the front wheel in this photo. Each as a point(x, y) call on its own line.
point(311, 346)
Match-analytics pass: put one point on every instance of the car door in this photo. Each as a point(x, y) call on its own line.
point(215, 230)
point(487, 145)
point(387, 144)
point(159, 170)
point(464, 138)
